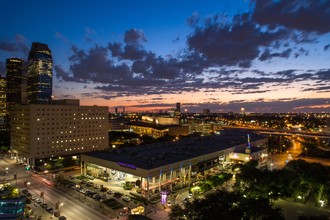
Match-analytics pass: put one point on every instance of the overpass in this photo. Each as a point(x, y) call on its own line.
point(281, 132)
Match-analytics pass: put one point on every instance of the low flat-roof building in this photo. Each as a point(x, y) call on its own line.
point(164, 164)
point(157, 130)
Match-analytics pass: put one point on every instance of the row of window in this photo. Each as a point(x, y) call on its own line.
point(74, 140)
point(66, 150)
point(66, 116)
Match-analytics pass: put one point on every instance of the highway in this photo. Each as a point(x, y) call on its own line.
point(281, 132)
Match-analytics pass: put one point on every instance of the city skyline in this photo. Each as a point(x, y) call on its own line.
point(262, 56)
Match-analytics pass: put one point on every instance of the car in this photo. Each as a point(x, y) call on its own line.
point(96, 186)
point(50, 209)
point(117, 194)
point(89, 184)
point(62, 218)
point(126, 199)
point(39, 217)
point(169, 203)
point(25, 191)
point(38, 201)
point(43, 205)
point(190, 195)
point(110, 191)
point(83, 182)
point(97, 197)
point(104, 189)
point(57, 213)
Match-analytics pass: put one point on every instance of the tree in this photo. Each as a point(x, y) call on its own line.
point(227, 205)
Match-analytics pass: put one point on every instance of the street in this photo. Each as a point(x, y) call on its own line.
point(72, 209)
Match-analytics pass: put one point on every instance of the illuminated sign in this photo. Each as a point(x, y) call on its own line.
point(126, 165)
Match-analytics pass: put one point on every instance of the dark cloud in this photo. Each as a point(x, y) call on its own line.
point(318, 88)
point(326, 47)
point(134, 36)
point(323, 75)
point(133, 50)
point(18, 44)
point(62, 74)
point(306, 15)
point(280, 105)
point(8, 46)
point(217, 57)
point(233, 44)
point(193, 20)
point(267, 55)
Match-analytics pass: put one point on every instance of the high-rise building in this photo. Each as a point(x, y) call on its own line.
point(3, 108)
point(61, 128)
point(39, 74)
point(206, 111)
point(178, 106)
point(16, 93)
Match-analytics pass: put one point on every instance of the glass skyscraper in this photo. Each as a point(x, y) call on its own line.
point(39, 74)
point(16, 82)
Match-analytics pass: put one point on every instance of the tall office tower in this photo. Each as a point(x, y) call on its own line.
point(3, 109)
point(16, 82)
point(39, 74)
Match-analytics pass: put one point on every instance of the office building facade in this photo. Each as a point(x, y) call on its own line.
point(39, 74)
point(16, 82)
point(58, 129)
point(3, 107)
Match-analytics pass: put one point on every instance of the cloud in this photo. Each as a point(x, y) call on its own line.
point(266, 55)
point(60, 36)
point(235, 43)
point(306, 16)
point(318, 89)
point(326, 47)
point(193, 20)
point(219, 56)
point(8, 46)
point(89, 34)
point(134, 36)
point(263, 105)
point(133, 49)
point(18, 44)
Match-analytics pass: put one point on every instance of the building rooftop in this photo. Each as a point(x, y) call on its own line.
point(155, 155)
point(151, 125)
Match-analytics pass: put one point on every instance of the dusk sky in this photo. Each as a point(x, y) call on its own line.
point(263, 55)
